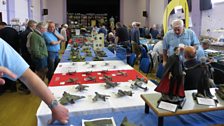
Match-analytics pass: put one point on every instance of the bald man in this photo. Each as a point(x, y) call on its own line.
point(179, 35)
point(192, 77)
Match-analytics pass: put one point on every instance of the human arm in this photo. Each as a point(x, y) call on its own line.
point(51, 39)
point(36, 85)
point(58, 35)
point(4, 70)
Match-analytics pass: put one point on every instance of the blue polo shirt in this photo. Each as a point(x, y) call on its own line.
point(50, 37)
point(10, 59)
point(171, 40)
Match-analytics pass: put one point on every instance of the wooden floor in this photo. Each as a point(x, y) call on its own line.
point(20, 110)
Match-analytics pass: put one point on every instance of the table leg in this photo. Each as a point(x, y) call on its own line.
point(146, 109)
point(160, 121)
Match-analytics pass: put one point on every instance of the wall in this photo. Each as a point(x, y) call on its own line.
point(56, 10)
point(213, 19)
point(36, 10)
point(21, 10)
point(3, 9)
point(156, 12)
point(131, 10)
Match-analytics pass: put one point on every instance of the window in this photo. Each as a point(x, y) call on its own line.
point(217, 1)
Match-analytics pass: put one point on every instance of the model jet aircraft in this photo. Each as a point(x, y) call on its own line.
point(72, 80)
point(81, 87)
point(122, 93)
point(71, 73)
point(88, 72)
point(98, 59)
point(104, 71)
point(138, 85)
point(68, 98)
point(100, 96)
point(121, 73)
point(106, 77)
point(106, 64)
point(110, 84)
point(141, 79)
point(90, 78)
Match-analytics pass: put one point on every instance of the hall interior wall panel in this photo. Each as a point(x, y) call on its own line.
point(55, 11)
point(21, 10)
point(36, 10)
point(3, 9)
point(156, 12)
point(212, 19)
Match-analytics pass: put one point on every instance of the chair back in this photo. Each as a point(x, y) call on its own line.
point(132, 59)
point(144, 65)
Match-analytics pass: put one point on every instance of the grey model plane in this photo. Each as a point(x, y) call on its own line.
point(104, 71)
point(121, 73)
point(141, 79)
point(106, 64)
point(100, 96)
point(138, 85)
point(110, 84)
point(71, 73)
point(122, 93)
point(68, 98)
point(72, 80)
point(107, 77)
point(81, 87)
point(90, 78)
point(88, 72)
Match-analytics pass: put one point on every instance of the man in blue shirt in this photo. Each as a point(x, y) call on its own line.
point(53, 40)
point(13, 66)
point(179, 35)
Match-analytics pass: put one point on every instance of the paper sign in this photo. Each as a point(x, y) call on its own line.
point(206, 101)
point(100, 78)
point(83, 75)
point(167, 106)
point(63, 74)
point(113, 75)
point(98, 73)
point(62, 83)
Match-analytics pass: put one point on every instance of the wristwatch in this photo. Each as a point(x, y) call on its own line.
point(53, 104)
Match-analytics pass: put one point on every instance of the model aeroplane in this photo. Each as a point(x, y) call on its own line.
point(110, 84)
point(97, 58)
point(104, 71)
point(106, 77)
point(71, 73)
point(101, 53)
point(100, 96)
point(121, 73)
point(68, 98)
point(141, 79)
point(90, 78)
point(122, 93)
point(72, 80)
point(81, 87)
point(138, 85)
point(88, 72)
point(106, 64)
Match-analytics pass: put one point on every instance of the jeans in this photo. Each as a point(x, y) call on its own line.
point(53, 58)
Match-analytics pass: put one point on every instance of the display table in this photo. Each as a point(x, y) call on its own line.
point(189, 107)
point(86, 106)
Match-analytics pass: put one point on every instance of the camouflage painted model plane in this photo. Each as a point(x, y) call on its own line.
point(72, 80)
point(138, 85)
point(97, 58)
point(121, 73)
point(71, 73)
point(90, 78)
point(110, 84)
point(81, 87)
point(88, 72)
point(141, 79)
point(106, 77)
point(122, 93)
point(125, 122)
point(104, 71)
point(68, 98)
point(100, 96)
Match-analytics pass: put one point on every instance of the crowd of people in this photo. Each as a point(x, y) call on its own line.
point(37, 49)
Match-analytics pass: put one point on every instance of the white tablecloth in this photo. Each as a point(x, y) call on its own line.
point(87, 106)
point(87, 66)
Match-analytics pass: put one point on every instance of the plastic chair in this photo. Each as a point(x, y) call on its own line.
point(143, 52)
point(132, 59)
point(159, 73)
point(144, 65)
